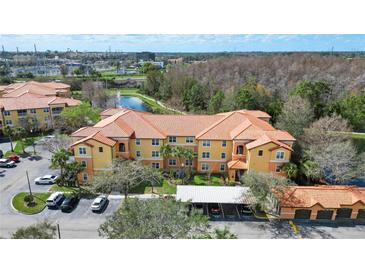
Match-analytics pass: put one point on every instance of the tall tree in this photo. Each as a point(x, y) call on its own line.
point(153, 219)
point(59, 160)
point(297, 114)
point(124, 176)
point(9, 132)
point(216, 102)
point(41, 230)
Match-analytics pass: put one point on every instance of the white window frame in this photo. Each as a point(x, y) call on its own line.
point(140, 154)
point(206, 153)
point(258, 153)
point(6, 113)
point(172, 139)
point(155, 154)
point(83, 163)
point(278, 169)
point(225, 155)
point(224, 167)
point(206, 143)
point(156, 141)
point(204, 165)
point(224, 143)
point(33, 111)
point(138, 142)
point(188, 162)
point(46, 110)
point(82, 149)
point(189, 140)
point(172, 162)
point(280, 152)
point(85, 177)
point(155, 165)
point(8, 122)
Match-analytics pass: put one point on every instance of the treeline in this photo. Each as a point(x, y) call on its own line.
point(332, 84)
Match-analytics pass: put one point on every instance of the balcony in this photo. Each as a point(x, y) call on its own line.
point(241, 157)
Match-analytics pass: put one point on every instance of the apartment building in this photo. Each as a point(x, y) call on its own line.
point(231, 143)
point(40, 103)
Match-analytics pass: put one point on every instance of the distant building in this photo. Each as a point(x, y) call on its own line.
point(37, 70)
point(159, 64)
point(145, 55)
point(175, 60)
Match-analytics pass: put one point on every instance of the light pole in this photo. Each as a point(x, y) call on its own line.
point(30, 190)
point(59, 231)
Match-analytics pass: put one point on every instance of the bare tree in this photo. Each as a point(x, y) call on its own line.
point(60, 141)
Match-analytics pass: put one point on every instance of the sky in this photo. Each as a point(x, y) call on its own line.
point(184, 43)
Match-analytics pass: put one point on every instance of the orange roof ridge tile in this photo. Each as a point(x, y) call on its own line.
point(214, 125)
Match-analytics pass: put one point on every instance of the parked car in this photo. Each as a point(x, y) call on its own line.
point(55, 199)
point(99, 203)
point(45, 139)
point(69, 203)
point(1, 154)
point(14, 158)
point(246, 210)
point(6, 163)
point(46, 179)
point(215, 210)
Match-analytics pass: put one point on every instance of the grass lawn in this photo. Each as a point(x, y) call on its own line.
point(166, 188)
point(39, 199)
point(17, 149)
point(359, 140)
point(65, 189)
point(202, 180)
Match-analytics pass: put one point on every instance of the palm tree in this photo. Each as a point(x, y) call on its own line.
point(59, 159)
point(310, 170)
point(291, 170)
point(19, 134)
point(8, 131)
point(166, 151)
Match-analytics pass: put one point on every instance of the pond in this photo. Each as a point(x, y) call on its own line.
point(133, 103)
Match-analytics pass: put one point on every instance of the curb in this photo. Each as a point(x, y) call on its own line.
point(17, 211)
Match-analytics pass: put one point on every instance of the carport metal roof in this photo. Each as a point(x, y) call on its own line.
point(214, 194)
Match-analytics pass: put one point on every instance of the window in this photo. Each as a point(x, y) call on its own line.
point(205, 166)
point(155, 142)
point(280, 155)
point(172, 162)
point(138, 154)
point(22, 112)
point(46, 110)
point(9, 122)
point(278, 169)
point(240, 150)
point(82, 151)
point(223, 155)
point(206, 155)
point(172, 139)
point(155, 154)
point(222, 167)
point(156, 165)
point(100, 149)
point(33, 110)
point(261, 152)
point(224, 143)
point(6, 113)
point(121, 147)
point(57, 110)
point(83, 163)
point(189, 140)
point(188, 162)
point(85, 177)
point(206, 143)
point(138, 142)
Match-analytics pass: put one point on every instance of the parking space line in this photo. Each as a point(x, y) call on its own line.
point(295, 229)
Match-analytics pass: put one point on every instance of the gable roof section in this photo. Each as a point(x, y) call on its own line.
point(326, 196)
point(97, 136)
point(45, 89)
point(263, 140)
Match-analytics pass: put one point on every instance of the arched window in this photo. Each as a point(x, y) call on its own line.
point(239, 150)
point(121, 147)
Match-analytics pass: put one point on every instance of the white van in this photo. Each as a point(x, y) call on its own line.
point(55, 199)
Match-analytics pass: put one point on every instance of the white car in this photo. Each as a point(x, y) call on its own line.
point(46, 179)
point(55, 199)
point(6, 163)
point(99, 203)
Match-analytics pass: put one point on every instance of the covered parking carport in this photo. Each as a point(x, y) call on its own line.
point(218, 202)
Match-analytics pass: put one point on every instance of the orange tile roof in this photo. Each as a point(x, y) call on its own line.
point(235, 125)
point(45, 89)
point(30, 101)
point(326, 196)
point(237, 164)
point(98, 136)
point(263, 140)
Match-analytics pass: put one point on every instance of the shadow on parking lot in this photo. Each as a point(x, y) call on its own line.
point(314, 230)
point(279, 229)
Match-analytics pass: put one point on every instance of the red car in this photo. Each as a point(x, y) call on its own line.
point(14, 158)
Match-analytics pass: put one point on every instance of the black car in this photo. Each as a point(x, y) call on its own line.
point(69, 203)
point(1, 154)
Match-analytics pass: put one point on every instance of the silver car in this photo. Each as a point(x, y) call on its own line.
point(99, 203)
point(6, 163)
point(46, 179)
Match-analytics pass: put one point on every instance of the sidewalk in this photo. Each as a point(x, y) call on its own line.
point(139, 196)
